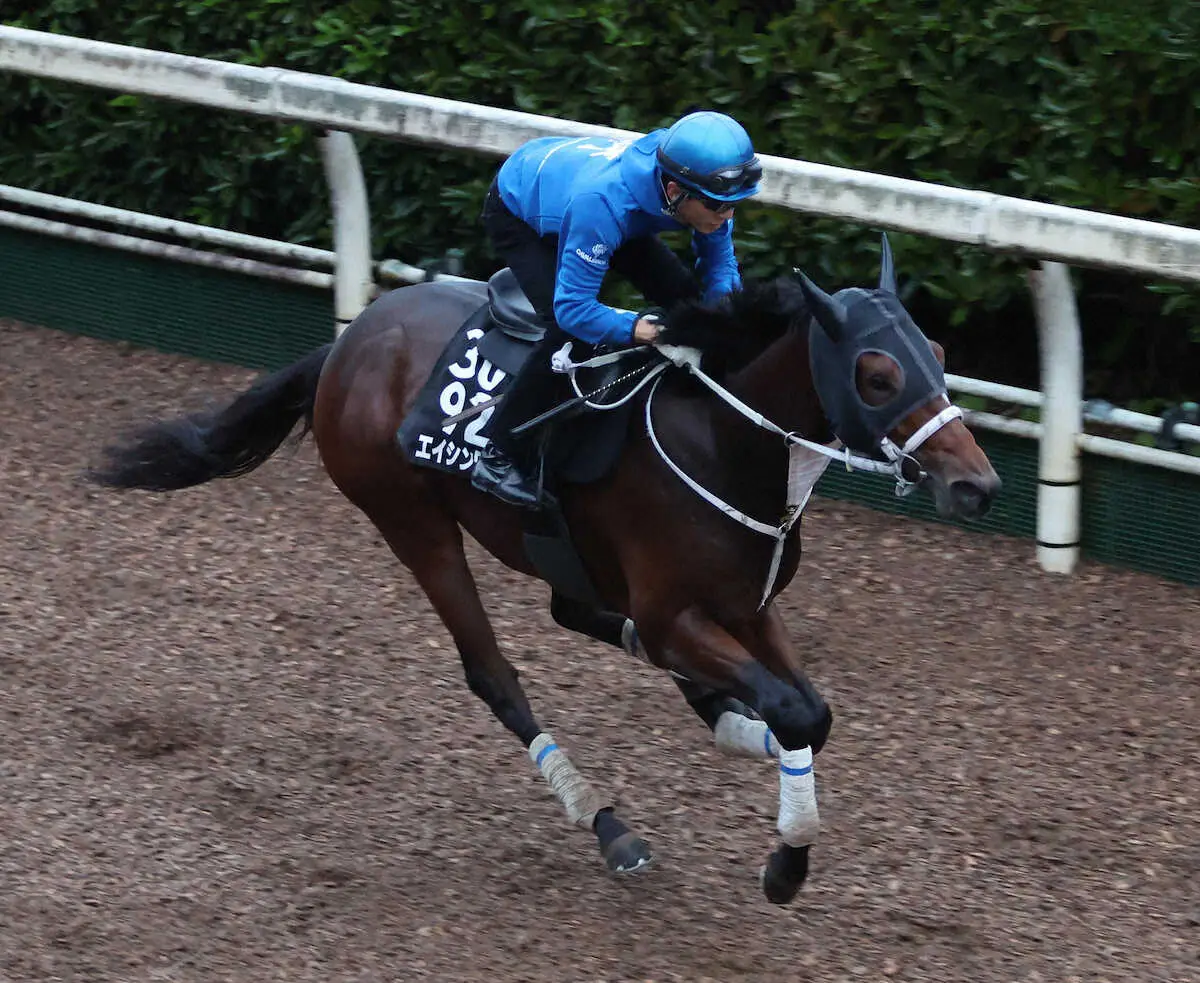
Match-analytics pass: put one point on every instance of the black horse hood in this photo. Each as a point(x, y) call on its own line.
point(855, 322)
point(875, 322)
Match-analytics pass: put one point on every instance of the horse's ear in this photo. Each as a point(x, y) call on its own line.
point(938, 352)
point(887, 268)
point(828, 311)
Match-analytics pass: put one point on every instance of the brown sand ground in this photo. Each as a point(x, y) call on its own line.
point(235, 745)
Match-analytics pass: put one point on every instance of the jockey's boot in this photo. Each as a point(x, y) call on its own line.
point(499, 475)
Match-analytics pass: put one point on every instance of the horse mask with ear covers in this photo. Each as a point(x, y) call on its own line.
point(852, 323)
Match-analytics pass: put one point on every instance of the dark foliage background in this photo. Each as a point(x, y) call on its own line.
point(1063, 102)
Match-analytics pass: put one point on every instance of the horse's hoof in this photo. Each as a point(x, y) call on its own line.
point(785, 870)
point(627, 853)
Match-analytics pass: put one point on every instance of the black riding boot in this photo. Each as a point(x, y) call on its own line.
point(498, 474)
point(510, 466)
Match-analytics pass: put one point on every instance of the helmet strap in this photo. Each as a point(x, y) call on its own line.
point(672, 204)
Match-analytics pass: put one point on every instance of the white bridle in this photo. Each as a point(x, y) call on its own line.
point(802, 474)
point(807, 459)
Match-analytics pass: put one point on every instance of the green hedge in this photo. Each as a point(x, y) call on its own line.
point(1064, 102)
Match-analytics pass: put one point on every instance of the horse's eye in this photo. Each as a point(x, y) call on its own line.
point(880, 382)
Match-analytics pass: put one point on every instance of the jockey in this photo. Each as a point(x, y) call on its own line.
point(562, 212)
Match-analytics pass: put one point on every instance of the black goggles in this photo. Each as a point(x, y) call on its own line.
point(728, 181)
point(733, 179)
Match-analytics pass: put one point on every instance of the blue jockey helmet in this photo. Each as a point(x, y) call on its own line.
point(711, 154)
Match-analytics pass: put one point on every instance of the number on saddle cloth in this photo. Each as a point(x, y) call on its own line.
point(478, 365)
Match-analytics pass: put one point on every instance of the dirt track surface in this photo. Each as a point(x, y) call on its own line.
point(235, 745)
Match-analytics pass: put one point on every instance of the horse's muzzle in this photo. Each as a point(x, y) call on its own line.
point(973, 499)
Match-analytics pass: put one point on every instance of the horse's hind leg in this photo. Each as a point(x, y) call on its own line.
point(604, 626)
point(430, 545)
point(736, 728)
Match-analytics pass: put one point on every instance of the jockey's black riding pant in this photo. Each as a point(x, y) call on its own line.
point(653, 269)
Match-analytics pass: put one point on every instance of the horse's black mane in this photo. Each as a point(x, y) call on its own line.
point(737, 329)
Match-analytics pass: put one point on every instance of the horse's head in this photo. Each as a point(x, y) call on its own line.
point(883, 387)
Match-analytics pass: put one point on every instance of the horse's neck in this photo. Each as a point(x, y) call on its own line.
point(779, 385)
point(740, 462)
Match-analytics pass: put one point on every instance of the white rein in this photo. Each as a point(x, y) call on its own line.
point(802, 473)
point(803, 467)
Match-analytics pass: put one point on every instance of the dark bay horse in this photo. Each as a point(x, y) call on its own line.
point(682, 577)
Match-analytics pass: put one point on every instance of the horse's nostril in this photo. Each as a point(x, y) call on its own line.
point(971, 499)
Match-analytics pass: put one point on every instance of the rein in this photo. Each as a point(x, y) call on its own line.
point(807, 459)
point(561, 362)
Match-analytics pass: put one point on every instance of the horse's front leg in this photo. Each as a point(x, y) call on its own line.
point(735, 727)
point(757, 667)
point(765, 637)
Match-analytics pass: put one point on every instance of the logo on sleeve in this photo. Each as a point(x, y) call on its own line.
point(597, 256)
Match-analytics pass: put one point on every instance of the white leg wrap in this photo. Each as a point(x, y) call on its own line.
point(735, 734)
point(577, 796)
point(631, 643)
point(798, 819)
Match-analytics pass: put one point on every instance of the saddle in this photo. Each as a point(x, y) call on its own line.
point(510, 308)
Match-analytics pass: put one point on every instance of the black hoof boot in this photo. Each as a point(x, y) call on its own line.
point(785, 871)
point(623, 850)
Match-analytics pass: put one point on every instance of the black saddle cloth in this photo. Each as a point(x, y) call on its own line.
point(481, 362)
point(478, 364)
point(579, 446)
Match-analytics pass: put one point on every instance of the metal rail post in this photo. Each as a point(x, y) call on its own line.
point(1059, 491)
point(353, 281)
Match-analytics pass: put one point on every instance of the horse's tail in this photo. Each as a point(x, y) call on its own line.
point(224, 443)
